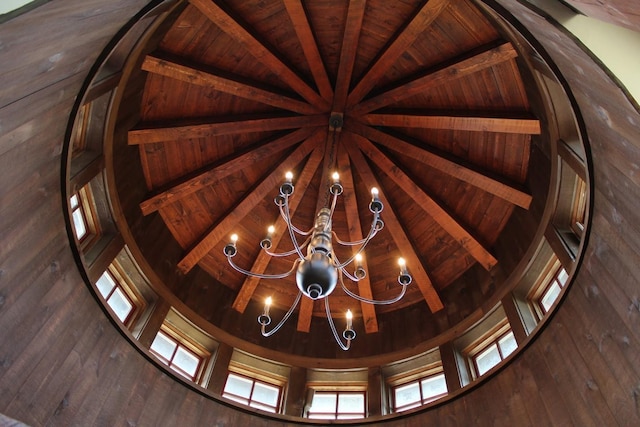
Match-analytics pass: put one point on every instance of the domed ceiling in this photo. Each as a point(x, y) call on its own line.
point(423, 100)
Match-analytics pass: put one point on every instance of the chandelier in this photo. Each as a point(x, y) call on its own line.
point(317, 268)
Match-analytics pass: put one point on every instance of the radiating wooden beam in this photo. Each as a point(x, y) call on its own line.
point(462, 67)
point(179, 69)
point(407, 36)
point(236, 213)
point(353, 26)
point(355, 234)
point(213, 173)
point(309, 46)
point(257, 48)
point(392, 223)
point(305, 313)
point(262, 260)
point(217, 127)
point(449, 165)
point(433, 209)
point(529, 126)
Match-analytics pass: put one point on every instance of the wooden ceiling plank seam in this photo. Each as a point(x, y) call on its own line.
point(250, 200)
point(463, 66)
point(392, 223)
point(209, 128)
point(258, 49)
point(427, 203)
point(215, 172)
point(309, 45)
point(178, 69)
point(452, 167)
point(348, 51)
point(472, 123)
point(403, 40)
point(262, 260)
point(355, 234)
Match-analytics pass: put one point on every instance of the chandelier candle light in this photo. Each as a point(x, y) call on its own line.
point(319, 270)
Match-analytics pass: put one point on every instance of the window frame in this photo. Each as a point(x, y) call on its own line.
point(547, 279)
point(79, 135)
point(122, 282)
point(260, 379)
point(89, 216)
point(181, 340)
point(416, 376)
point(493, 336)
point(579, 207)
point(337, 390)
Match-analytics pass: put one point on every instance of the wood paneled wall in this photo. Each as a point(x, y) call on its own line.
point(62, 363)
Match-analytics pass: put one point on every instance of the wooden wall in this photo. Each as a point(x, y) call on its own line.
point(62, 363)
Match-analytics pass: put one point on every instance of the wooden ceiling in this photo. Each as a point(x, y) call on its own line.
point(434, 112)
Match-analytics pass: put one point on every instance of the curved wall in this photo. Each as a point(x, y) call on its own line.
point(62, 362)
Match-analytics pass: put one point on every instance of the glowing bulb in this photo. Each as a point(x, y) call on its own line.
point(374, 192)
point(349, 315)
point(288, 176)
point(358, 258)
point(335, 176)
point(271, 229)
point(234, 238)
point(268, 302)
point(402, 262)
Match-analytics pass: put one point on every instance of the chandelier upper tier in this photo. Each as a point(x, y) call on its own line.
point(316, 266)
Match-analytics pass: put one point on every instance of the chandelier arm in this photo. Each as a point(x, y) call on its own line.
point(349, 276)
point(373, 301)
point(343, 346)
point(290, 228)
point(260, 275)
point(343, 243)
point(366, 241)
point(288, 253)
point(333, 205)
point(296, 229)
point(266, 333)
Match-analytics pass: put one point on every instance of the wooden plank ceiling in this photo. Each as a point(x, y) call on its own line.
point(435, 115)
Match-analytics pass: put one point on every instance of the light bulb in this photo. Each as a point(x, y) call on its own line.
point(267, 305)
point(374, 192)
point(349, 319)
point(288, 176)
point(270, 230)
point(335, 176)
point(234, 238)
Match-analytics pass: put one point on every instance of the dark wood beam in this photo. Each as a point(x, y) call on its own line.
point(392, 223)
point(262, 260)
point(257, 48)
point(309, 46)
point(213, 173)
point(353, 26)
point(461, 67)
point(456, 122)
point(249, 202)
point(355, 234)
point(179, 69)
point(449, 165)
point(220, 126)
point(406, 37)
point(433, 209)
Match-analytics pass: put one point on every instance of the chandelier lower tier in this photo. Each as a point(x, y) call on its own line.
point(317, 268)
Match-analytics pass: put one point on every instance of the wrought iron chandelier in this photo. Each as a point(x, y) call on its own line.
point(317, 268)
